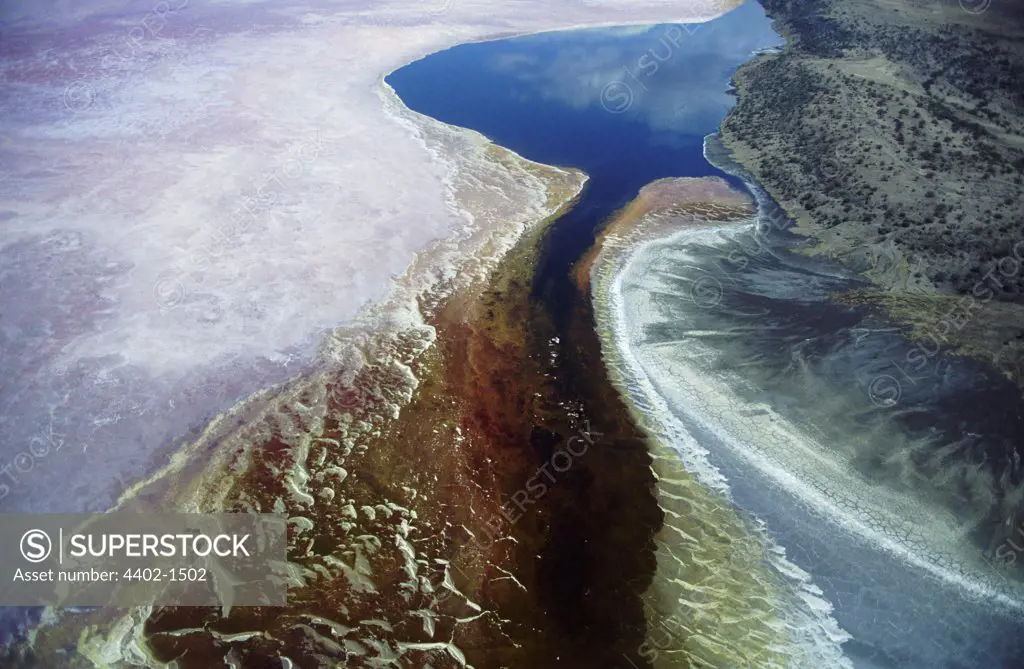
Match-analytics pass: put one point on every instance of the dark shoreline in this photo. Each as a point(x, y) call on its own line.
point(891, 134)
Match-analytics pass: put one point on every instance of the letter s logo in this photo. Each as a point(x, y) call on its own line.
point(35, 545)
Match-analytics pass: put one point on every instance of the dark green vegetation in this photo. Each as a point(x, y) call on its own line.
point(894, 133)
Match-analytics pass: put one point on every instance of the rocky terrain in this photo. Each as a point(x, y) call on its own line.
point(893, 133)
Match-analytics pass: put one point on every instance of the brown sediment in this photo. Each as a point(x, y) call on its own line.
point(446, 590)
point(487, 513)
point(663, 206)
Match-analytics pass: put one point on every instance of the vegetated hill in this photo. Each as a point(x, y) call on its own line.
point(894, 133)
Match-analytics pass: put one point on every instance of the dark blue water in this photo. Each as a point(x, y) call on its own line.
point(625, 105)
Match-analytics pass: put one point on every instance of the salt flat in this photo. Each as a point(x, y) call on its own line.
point(195, 194)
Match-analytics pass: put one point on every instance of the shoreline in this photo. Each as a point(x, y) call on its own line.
point(455, 587)
point(203, 476)
point(179, 325)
